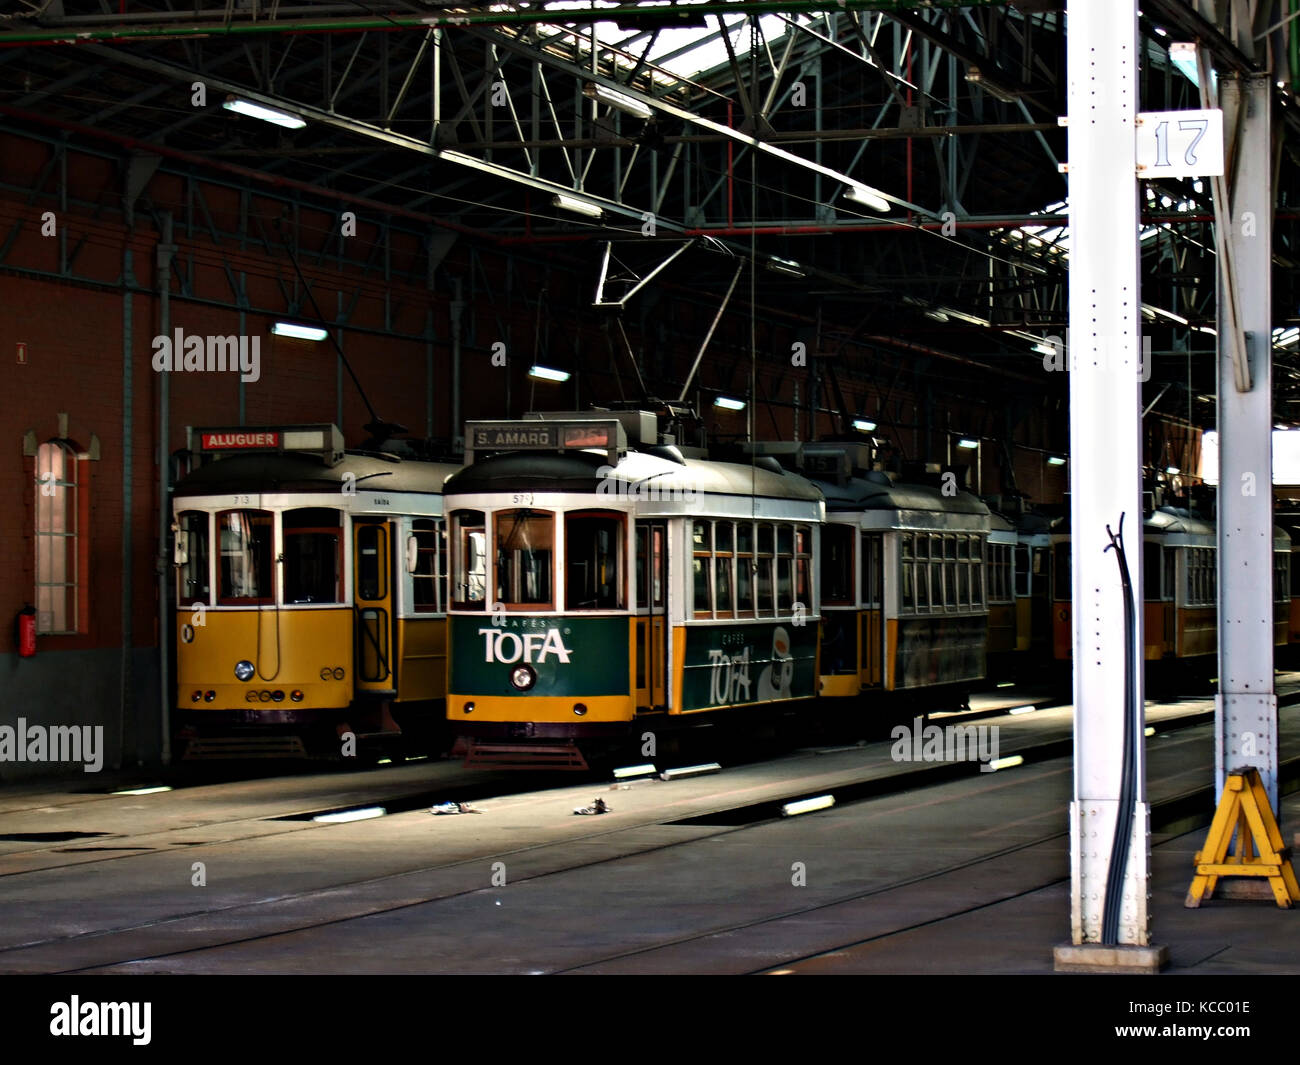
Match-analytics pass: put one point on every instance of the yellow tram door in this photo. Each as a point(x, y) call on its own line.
point(651, 615)
point(872, 634)
point(373, 597)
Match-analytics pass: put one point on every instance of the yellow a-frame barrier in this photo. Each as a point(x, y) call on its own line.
point(1244, 807)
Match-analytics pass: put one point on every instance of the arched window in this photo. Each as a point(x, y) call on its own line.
point(57, 554)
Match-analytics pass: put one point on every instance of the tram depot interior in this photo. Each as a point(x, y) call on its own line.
point(415, 412)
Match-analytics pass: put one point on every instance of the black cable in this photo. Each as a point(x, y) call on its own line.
point(1120, 846)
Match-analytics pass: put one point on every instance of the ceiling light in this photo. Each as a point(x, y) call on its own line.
point(974, 76)
point(868, 197)
point(1043, 348)
point(786, 266)
point(1183, 56)
point(1172, 469)
point(690, 771)
point(863, 425)
point(1055, 460)
point(266, 114)
point(1160, 312)
point(545, 373)
point(968, 444)
point(577, 206)
point(616, 100)
point(727, 403)
point(938, 316)
point(299, 332)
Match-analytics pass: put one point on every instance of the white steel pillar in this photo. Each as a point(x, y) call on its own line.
point(1246, 707)
point(1105, 360)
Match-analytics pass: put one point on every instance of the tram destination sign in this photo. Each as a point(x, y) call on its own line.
point(536, 435)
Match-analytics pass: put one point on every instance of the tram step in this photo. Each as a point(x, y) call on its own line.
point(524, 756)
point(245, 747)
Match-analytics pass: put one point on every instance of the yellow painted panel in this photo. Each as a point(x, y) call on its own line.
point(841, 685)
point(557, 710)
point(308, 641)
point(1024, 623)
point(422, 659)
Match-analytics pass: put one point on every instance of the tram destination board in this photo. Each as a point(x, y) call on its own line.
point(537, 435)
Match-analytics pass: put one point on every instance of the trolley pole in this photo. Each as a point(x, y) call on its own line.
point(1105, 362)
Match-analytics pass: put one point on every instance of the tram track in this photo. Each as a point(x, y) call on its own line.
point(270, 913)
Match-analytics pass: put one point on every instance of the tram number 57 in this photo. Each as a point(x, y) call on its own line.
point(1180, 143)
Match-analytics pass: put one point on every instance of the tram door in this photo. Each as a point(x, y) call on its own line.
point(872, 633)
point(651, 615)
point(373, 596)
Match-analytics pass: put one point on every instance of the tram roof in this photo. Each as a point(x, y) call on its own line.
point(862, 493)
point(268, 472)
point(637, 473)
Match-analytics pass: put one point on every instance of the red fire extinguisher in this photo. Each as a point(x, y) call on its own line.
point(27, 631)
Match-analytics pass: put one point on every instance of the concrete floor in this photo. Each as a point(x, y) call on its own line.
point(964, 876)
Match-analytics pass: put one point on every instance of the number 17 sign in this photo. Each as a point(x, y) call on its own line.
point(1180, 144)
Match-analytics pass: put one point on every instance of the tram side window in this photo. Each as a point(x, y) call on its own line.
point(1022, 570)
point(701, 567)
point(765, 562)
point(525, 551)
point(745, 569)
point(802, 563)
point(1281, 576)
point(193, 540)
point(469, 560)
point(1062, 566)
point(430, 561)
point(313, 538)
point(870, 580)
point(245, 563)
point(907, 566)
point(837, 564)
point(593, 553)
point(723, 557)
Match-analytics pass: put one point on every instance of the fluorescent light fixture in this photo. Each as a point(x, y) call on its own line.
point(1056, 460)
point(1148, 731)
point(727, 403)
point(938, 316)
point(868, 197)
point(786, 266)
point(545, 373)
point(1208, 329)
point(299, 332)
point(974, 76)
point(962, 316)
point(1172, 469)
point(1007, 763)
point(626, 104)
point(807, 806)
point(266, 114)
point(1044, 348)
point(143, 791)
point(1160, 312)
point(577, 206)
point(863, 425)
point(690, 771)
point(1183, 56)
point(634, 771)
point(968, 444)
point(1022, 710)
point(1006, 684)
point(364, 813)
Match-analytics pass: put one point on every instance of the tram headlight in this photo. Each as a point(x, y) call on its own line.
point(580, 709)
point(296, 695)
point(523, 677)
point(196, 697)
point(244, 670)
point(468, 708)
point(209, 696)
